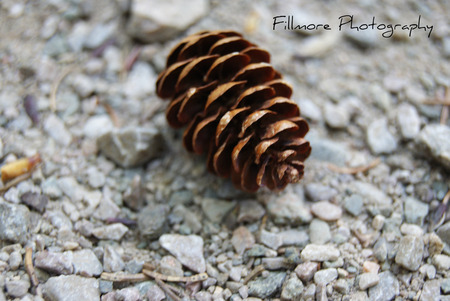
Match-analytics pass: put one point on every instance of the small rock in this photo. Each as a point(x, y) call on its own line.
point(34, 200)
point(336, 116)
point(155, 293)
point(152, 20)
point(56, 263)
point(309, 292)
point(305, 271)
point(445, 285)
point(354, 204)
point(323, 277)
point(378, 222)
point(71, 188)
point(370, 193)
point(328, 150)
point(289, 209)
point(128, 294)
point(326, 211)
point(169, 265)
point(441, 262)
point(96, 179)
point(99, 34)
point(408, 120)
point(112, 232)
point(14, 222)
point(415, 211)
point(97, 126)
point(433, 138)
point(410, 252)
point(386, 289)
point(409, 229)
point(266, 287)
point(428, 270)
point(71, 288)
point(431, 290)
point(86, 263)
point(14, 260)
point(292, 289)
point(130, 147)
point(242, 239)
point(370, 267)
point(215, 210)
point(444, 233)
point(319, 192)
point(152, 220)
point(272, 240)
point(106, 208)
point(17, 288)
point(310, 110)
point(435, 244)
point(341, 285)
point(112, 261)
point(187, 249)
point(56, 46)
point(250, 211)
point(367, 280)
point(379, 138)
point(136, 86)
point(56, 129)
point(380, 250)
point(319, 232)
point(293, 238)
point(51, 188)
point(320, 253)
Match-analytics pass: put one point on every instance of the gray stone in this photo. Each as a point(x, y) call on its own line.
point(152, 220)
point(83, 85)
point(99, 34)
point(98, 125)
point(250, 211)
point(130, 147)
point(106, 207)
point(71, 288)
point(329, 151)
point(445, 286)
point(370, 193)
point(34, 200)
point(112, 261)
point(428, 270)
point(293, 238)
point(71, 188)
point(367, 280)
point(326, 211)
point(415, 211)
point(51, 188)
point(128, 294)
point(215, 210)
point(260, 251)
point(14, 260)
point(379, 138)
point(17, 288)
point(289, 209)
point(57, 263)
point(433, 138)
point(155, 293)
point(441, 262)
point(112, 232)
point(56, 129)
point(14, 223)
point(55, 46)
point(444, 233)
point(410, 252)
point(96, 178)
point(136, 85)
point(187, 249)
point(354, 204)
point(310, 110)
point(242, 239)
point(272, 240)
point(169, 265)
point(314, 252)
point(431, 290)
point(411, 229)
point(336, 116)
point(152, 20)
point(309, 292)
point(292, 289)
point(86, 263)
point(386, 289)
point(266, 287)
point(319, 232)
point(305, 271)
point(323, 277)
point(190, 219)
point(341, 285)
point(408, 121)
point(319, 192)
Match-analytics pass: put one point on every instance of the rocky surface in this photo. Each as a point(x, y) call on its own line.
point(116, 189)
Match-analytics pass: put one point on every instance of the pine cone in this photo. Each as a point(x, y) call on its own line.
point(236, 108)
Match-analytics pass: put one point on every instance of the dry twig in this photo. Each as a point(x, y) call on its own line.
point(55, 88)
point(28, 262)
point(122, 277)
point(444, 101)
point(354, 170)
point(256, 272)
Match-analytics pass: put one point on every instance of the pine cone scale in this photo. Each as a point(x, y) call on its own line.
point(237, 109)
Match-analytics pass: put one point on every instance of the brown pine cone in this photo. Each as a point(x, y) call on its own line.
point(237, 109)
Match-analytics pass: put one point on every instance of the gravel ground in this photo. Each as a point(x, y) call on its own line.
point(116, 189)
